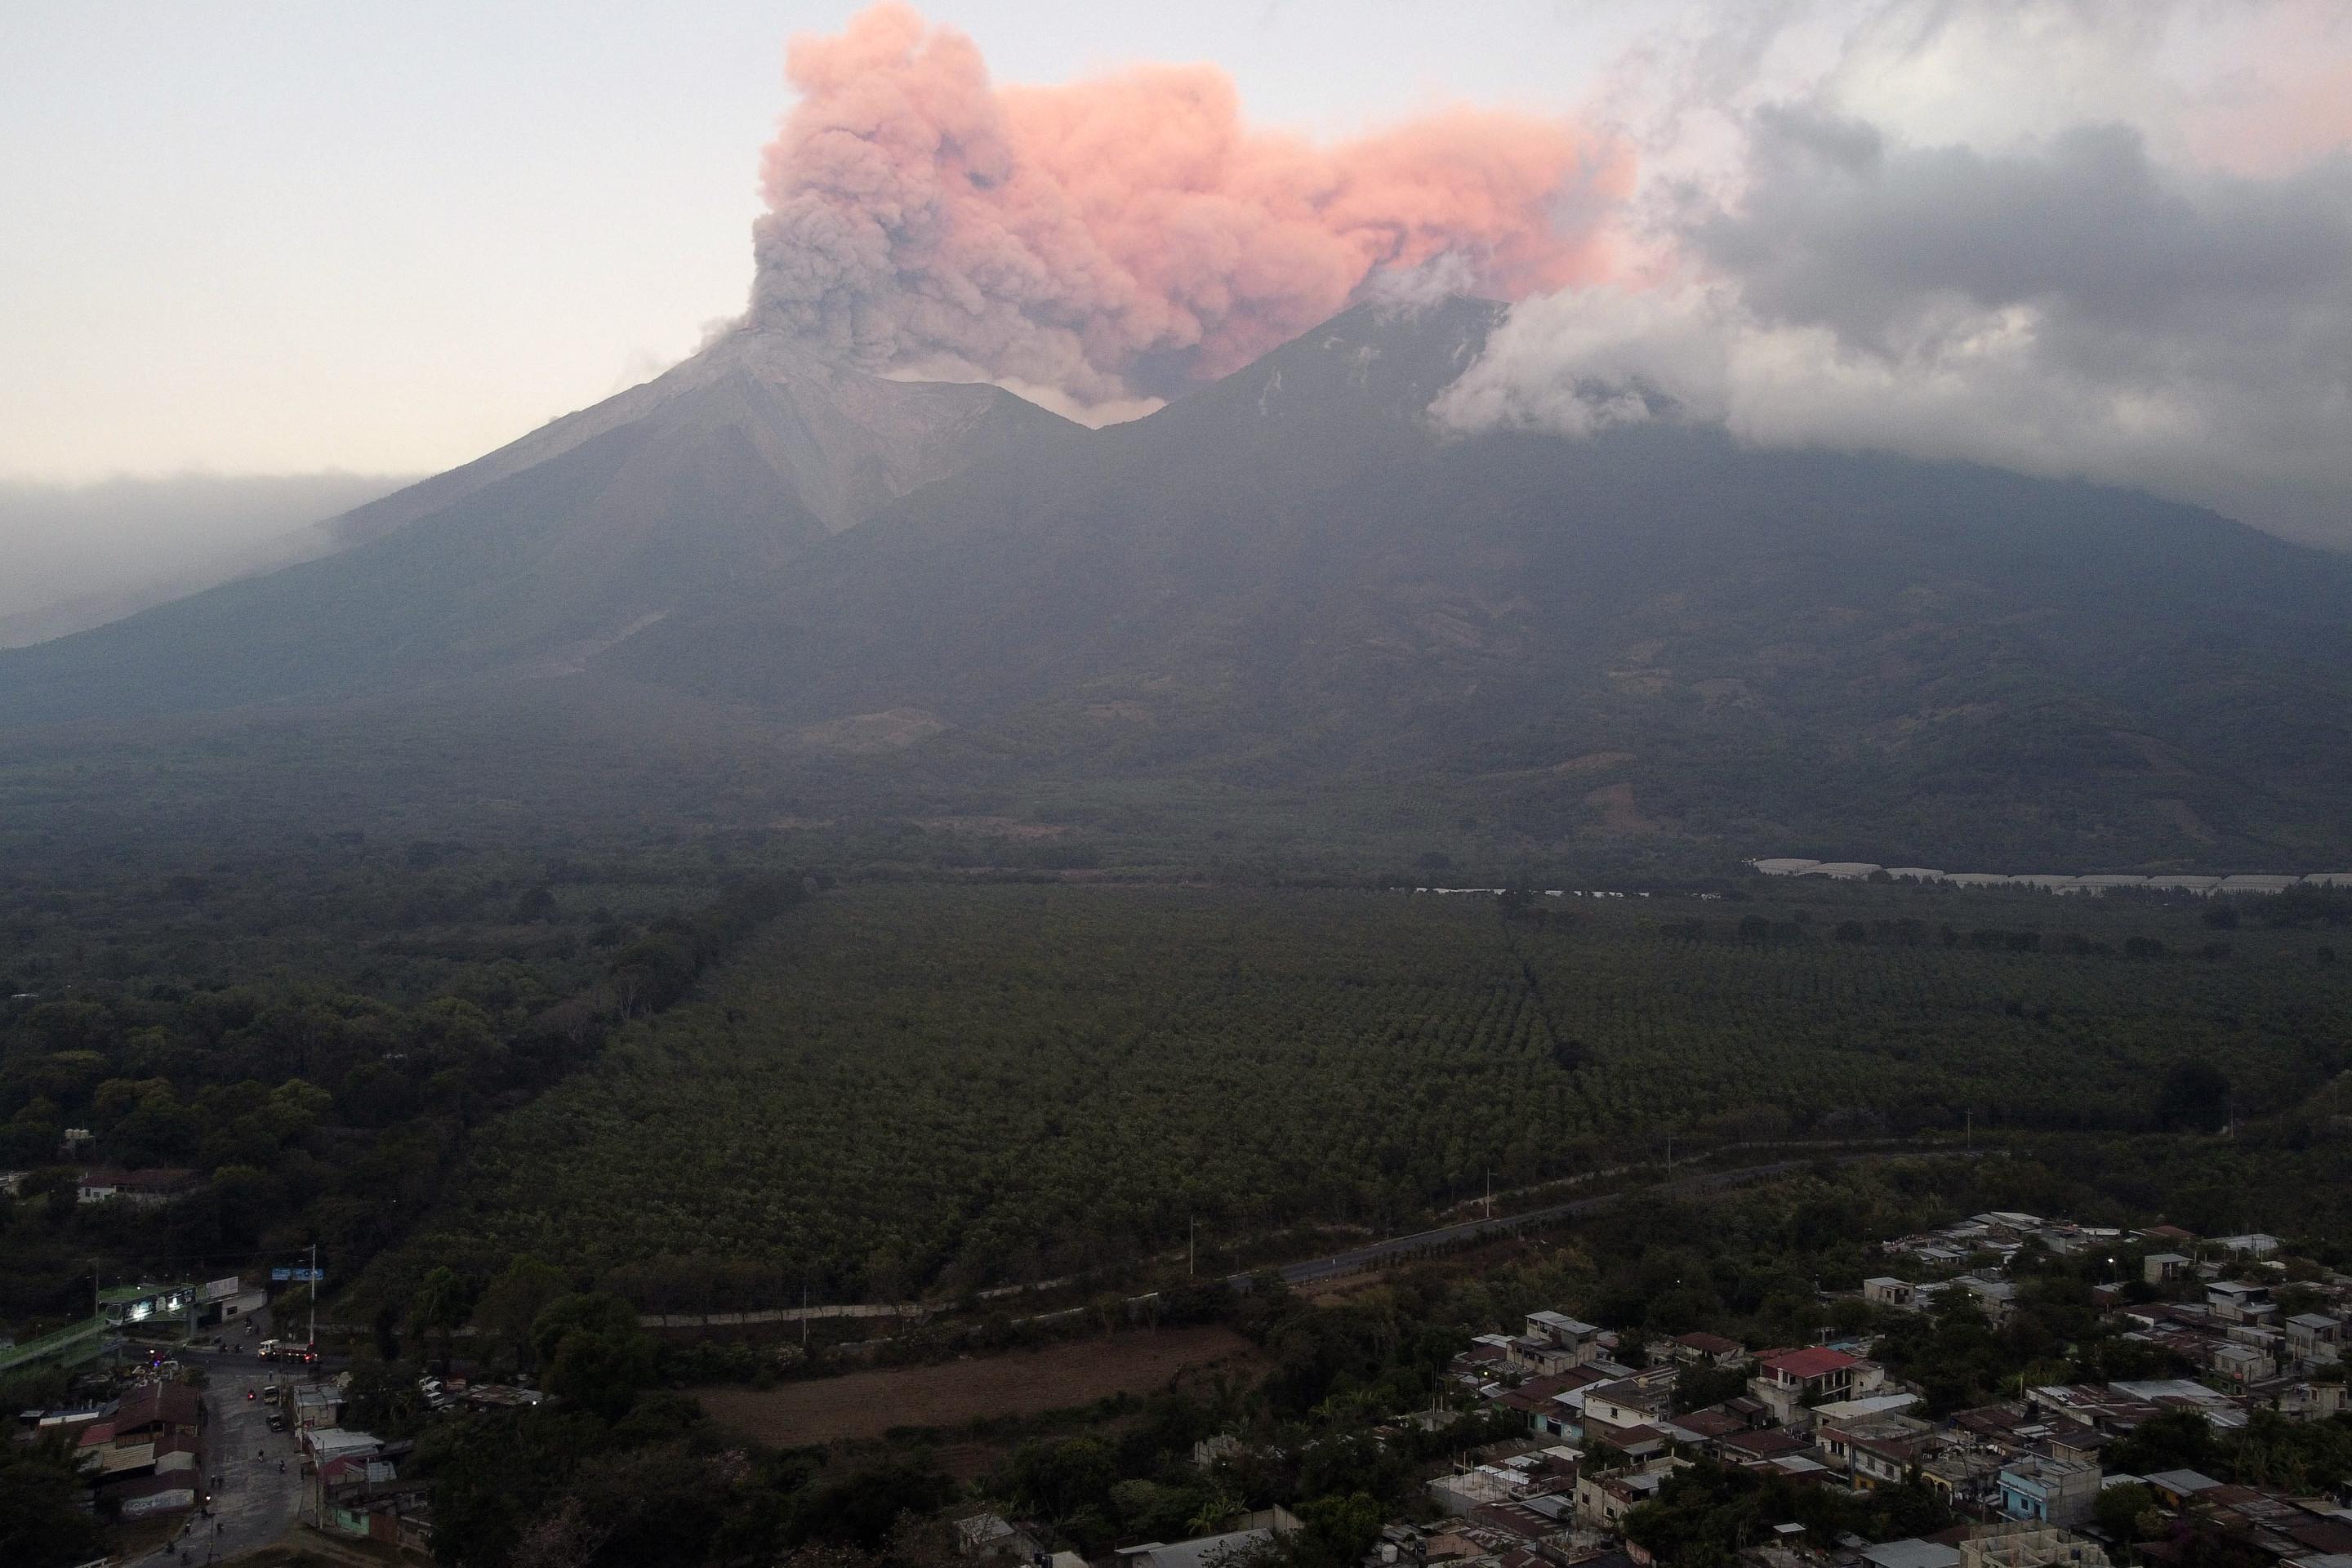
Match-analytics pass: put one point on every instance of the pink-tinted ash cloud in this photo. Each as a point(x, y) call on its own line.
point(1130, 233)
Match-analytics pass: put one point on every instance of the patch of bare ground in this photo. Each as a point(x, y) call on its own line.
point(1620, 811)
point(865, 1405)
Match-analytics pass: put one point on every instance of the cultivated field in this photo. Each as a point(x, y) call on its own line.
point(864, 1404)
point(898, 1091)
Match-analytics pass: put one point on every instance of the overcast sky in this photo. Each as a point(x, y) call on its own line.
point(2105, 236)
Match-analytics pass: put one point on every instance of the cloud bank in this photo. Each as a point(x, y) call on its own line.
point(1128, 235)
point(79, 555)
point(2158, 294)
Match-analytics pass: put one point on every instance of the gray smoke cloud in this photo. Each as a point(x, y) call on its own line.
point(2072, 302)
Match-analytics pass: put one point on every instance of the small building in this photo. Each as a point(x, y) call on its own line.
point(2314, 1336)
point(1889, 1291)
point(2237, 1301)
point(1705, 1349)
point(1603, 1499)
point(1874, 1450)
point(1626, 1402)
point(2049, 1491)
point(1997, 1299)
point(2163, 1267)
point(1791, 1382)
point(2244, 1364)
point(2178, 1488)
point(144, 1188)
point(1579, 1339)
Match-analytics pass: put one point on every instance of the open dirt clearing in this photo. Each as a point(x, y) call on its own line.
point(1019, 1383)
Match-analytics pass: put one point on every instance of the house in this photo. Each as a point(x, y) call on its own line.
point(144, 1188)
point(1561, 1330)
point(2236, 1301)
point(1790, 1382)
point(1997, 1298)
point(1707, 1350)
point(1879, 1449)
point(1541, 1356)
point(1605, 1498)
point(154, 1410)
point(1889, 1291)
point(1622, 1404)
point(2314, 1337)
point(2177, 1489)
point(2255, 1243)
point(2244, 1364)
point(1966, 1479)
point(1709, 1426)
point(1763, 1447)
point(2049, 1491)
point(2309, 1401)
point(989, 1535)
point(1554, 1405)
point(1251, 1531)
point(2163, 1267)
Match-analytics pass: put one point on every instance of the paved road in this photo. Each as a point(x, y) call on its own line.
point(252, 1500)
point(1361, 1257)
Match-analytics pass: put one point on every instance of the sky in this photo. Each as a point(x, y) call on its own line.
point(2105, 238)
point(386, 238)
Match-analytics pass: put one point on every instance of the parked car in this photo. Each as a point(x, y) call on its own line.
point(277, 1422)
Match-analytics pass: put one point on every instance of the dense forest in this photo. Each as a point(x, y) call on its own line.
point(314, 1049)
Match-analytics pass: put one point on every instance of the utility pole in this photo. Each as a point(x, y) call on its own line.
point(1490, 1196)
point(313, 1343)
point(1190, 1252)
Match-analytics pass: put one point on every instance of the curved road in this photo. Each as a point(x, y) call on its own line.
point(1358, 1258)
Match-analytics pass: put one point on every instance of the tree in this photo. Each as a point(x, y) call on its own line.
point(41, 1521)
point(596, 1353)
point(2195, 1097)
point(2121, 1510)
point(513, 1302)
point(440, 1306)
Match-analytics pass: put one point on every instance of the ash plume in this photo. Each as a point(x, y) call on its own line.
point(1122, 237)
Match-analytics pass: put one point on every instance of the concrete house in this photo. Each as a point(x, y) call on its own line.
point(1789, 1383)
point(2237, 1301)
point(2314, 1337)
point(2049, 1491)
point(1580, 1338)
point(1889, 1291)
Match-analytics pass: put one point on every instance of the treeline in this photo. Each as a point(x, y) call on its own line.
point(306, 1112)
point(1913, 932)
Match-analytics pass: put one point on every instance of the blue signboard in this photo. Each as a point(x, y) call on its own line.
point(300, 1276)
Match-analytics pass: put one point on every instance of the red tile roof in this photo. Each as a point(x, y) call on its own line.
point(1819, 1362)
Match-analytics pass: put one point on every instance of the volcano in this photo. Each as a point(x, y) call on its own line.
point(1291, 584)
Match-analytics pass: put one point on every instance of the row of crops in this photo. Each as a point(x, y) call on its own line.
point(905, 1088)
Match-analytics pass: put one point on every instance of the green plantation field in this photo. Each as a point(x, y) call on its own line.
point(901, 1088)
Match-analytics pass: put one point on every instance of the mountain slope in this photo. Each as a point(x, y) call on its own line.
point(1289, 580)
point(529, 559)
point(1289, 587)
